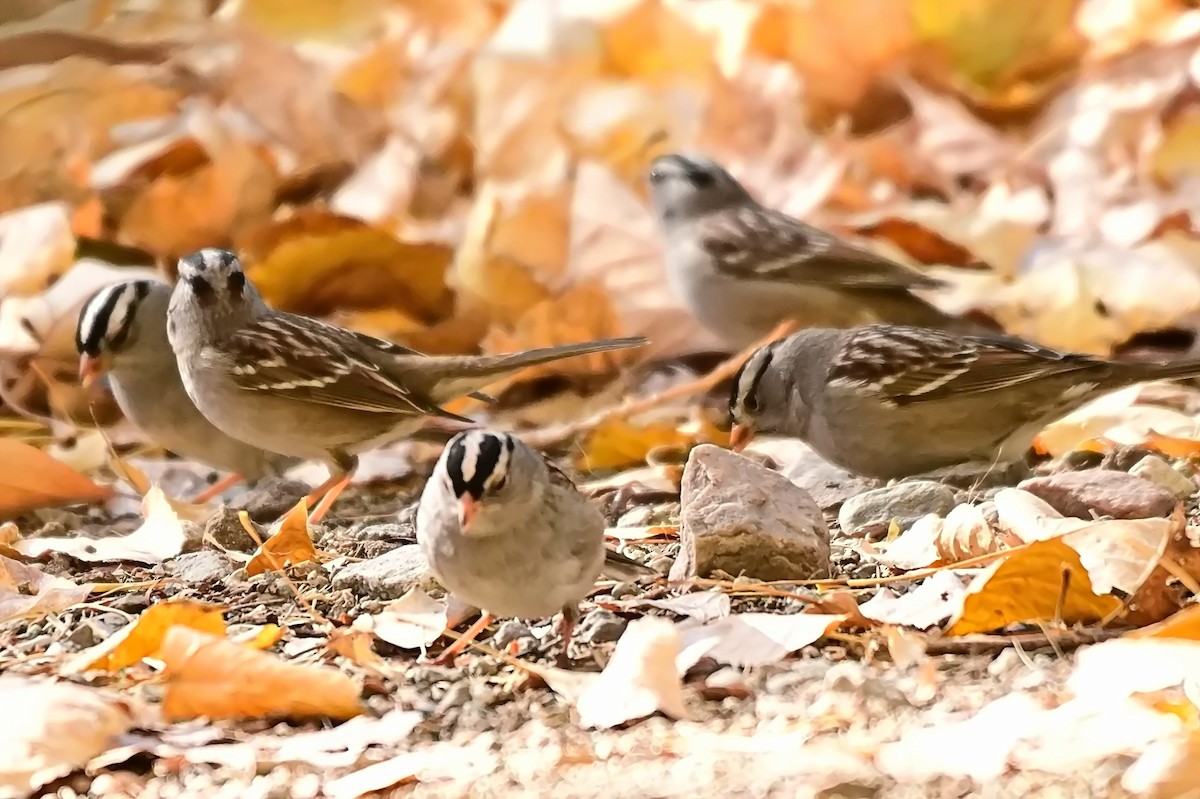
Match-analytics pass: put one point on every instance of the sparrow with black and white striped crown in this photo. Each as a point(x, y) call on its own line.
point(122, 332)
point(889, 401)
point(506, 531)
point(743, 269)
point(293, 384)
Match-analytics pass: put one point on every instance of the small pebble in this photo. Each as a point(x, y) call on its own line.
point(1102, 492)
point(622, 590)
point(1158, 471)
point(509, 631)
point(871, 513)
point(600, 627)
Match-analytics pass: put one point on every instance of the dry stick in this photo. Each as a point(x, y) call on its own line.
point(971, 644)
point(248, 526)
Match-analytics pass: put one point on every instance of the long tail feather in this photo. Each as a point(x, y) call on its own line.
point(461, 375)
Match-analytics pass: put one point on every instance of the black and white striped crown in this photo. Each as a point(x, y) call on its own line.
point(106, 319)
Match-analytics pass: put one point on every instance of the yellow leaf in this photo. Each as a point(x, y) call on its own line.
point(1027, 586)
point(29, 478)
point(316, 262)
point(652, 43)
point(1184, 624)
point(619, 443)
point(144, 637)
point(345, 20)
point(264, 637)
point(213, 677)
point(290, 544)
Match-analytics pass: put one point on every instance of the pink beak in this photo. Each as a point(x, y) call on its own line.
point(91, 368)
point(740, 436)
point(468, 508)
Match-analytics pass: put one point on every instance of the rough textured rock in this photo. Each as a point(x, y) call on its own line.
point(387, 576)
point(1158, 471)
point(200, 567)
point(224, 528)
point(741, 518)
point(1102, 492)
point(871, 513)
point(273, 497)
point(828, 485)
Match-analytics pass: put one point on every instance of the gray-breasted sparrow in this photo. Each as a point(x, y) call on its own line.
point(742, 268)
point(506, 531)
point(295, 385)
point(890, 401)
point(122, 332)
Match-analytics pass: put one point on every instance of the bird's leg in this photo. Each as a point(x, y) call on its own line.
point(448, 655)
point(566, 626)
point(216, 489)
point(328, 492)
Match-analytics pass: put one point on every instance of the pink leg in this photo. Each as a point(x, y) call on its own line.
point(217, 489)
point(447, 656)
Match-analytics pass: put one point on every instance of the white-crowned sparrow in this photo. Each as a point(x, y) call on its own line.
point(295, 385)
point(742, 268)
point(890, 401)
point(506, 531)
point(122, 332)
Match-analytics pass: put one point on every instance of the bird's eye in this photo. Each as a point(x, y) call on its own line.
point(201, 288)
point(657, 176)
point(236, 282)
point(500, 484)
point(751, 403)
point(702, 180)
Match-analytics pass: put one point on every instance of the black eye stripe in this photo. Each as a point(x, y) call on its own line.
point(200, 286)
point(236, 282)
point(752, 390)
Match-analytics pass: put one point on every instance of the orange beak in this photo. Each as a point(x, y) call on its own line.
point(468, 508)
point(739, 436)
point(90, 368)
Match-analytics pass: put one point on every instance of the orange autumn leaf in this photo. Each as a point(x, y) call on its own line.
point(144, 636)
point(290, 544)
point(1172, 445)
point(30, 478)
point(213, 677)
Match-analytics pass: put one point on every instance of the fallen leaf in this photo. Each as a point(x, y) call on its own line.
point(29, 479)
point(937, 598)
point(414, 621)
point(703, 606)
point(965, 533)
point(160, 536)
point(753, 639)
point(28, 592)
point(1184, 625)
point(209, 676)
point(144, 636)
point(50, 729)
point(36, 246)
point(344, 744)
point(358, 647)
point(640, 679)
point(439, 761)
point(1042, 581)
point(916, 547)
point(288, 544)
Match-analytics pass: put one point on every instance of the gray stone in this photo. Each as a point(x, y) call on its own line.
point(388, 531)
point(387, 576)
point(741, 518)
point(1102, 492)
point(224, 528)
point(200, 567)
point(273, 497)
point(828, 485)
point(510, 630)
point(871, 513)
point(600, 627)
point(1157, 470)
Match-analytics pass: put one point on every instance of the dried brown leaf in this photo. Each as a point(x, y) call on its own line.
point(209, 676)
point(28, 592)
point(143, 637)
point(289, 543)
point(640, 679)
point(29, 479)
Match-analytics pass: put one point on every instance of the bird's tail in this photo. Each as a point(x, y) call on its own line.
point(459, 375)
point(1131, 372)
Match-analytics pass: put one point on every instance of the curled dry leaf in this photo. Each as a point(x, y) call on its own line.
point(28, 592)
point(160, 536)
point(29, 479)
point(144, 636)
point(209, 676)
point(640, 679)
point(936, 599)
point(965, 533)
point(289, 543)
point(617, 443)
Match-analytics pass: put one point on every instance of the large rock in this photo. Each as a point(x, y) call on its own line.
point(741, 518)
point(872, 512)
point(388, 576)
point(1102, 492)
